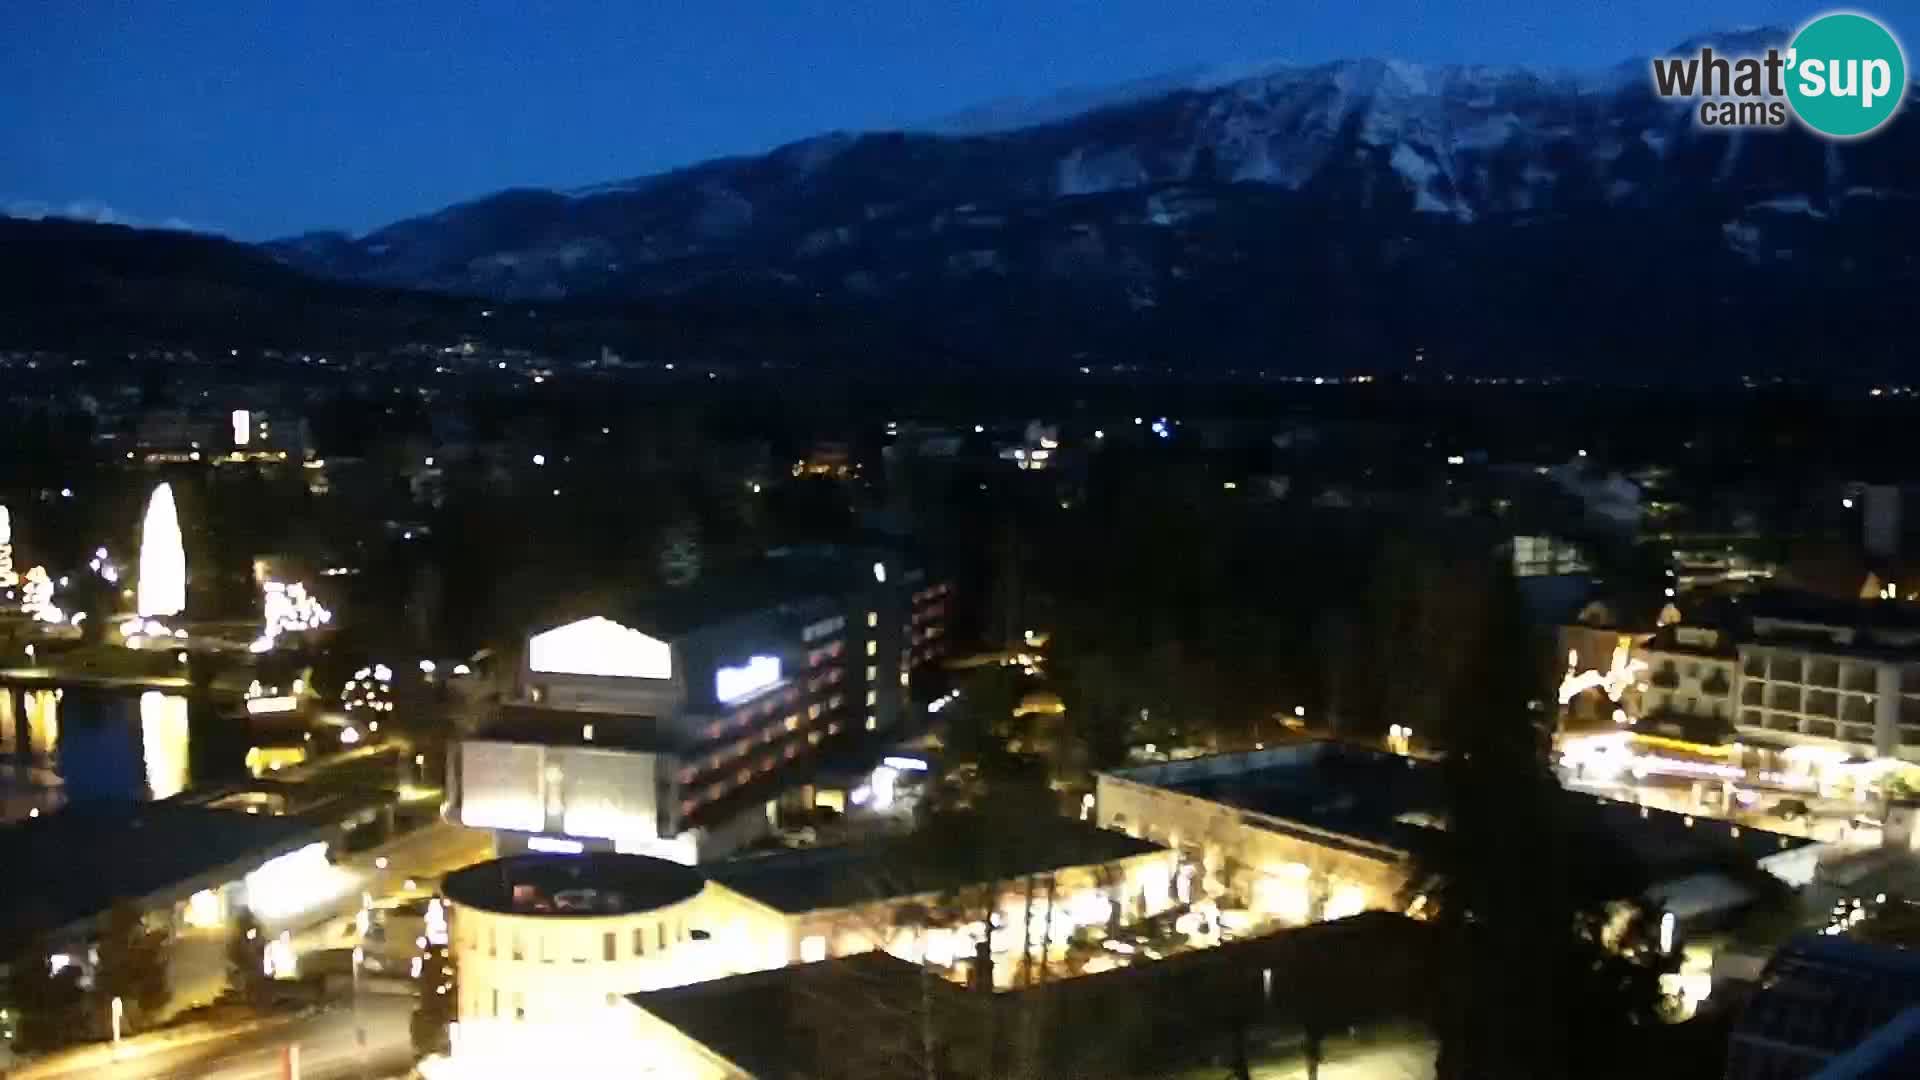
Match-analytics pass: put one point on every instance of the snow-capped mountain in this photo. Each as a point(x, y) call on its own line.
point(1317, 190)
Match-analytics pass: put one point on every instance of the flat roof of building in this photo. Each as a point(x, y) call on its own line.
point(796, 577)
point(893, 866)
point(1820, 996)
point(76, 862)
point(1351, 792)
point(589, 884)
point(750, 1019)
point(1335, 791)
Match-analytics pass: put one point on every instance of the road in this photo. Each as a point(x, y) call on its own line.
point(422, 857)
point(199, 971)
point(328, 1050)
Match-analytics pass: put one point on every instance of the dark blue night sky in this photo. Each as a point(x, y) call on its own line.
point(261, 119)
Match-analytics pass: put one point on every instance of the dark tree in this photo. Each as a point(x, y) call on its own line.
point(438, 990)
point(50, 1006)
point(247, 977)
point(133, 965)
point(1535, 984)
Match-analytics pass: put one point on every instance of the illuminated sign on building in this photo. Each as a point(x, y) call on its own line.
point(599, 646)
point(733, 683)
point(242, 427)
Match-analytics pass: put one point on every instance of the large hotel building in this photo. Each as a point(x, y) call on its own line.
point(672, 730)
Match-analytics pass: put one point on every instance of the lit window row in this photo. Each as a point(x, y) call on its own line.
point(544, 949)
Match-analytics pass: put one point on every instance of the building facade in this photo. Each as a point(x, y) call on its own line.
point(674, 731)
point(1283, 868)
point(1690, 678)
point(1834, 686)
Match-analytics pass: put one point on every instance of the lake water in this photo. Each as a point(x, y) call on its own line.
point(72, 743)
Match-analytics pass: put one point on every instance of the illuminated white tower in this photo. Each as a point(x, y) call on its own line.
point(8, 579)
point(163, 559)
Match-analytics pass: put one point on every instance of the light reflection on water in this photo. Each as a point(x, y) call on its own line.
point(163, 742)
point(43, 721)
point(91, 743)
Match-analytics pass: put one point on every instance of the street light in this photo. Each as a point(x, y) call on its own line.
point(359, 1029)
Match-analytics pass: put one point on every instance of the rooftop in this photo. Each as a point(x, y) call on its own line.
point(760, 1021)
point(1793, 606)
point(1350, 792)
point(592, 884)
point(785, 577)
point(74, 863)
point(1820, 996)
point(846, 875)
point(1336, 793)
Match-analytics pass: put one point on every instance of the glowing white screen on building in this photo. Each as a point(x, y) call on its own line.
point(599, 646)
point(734, 683)
point(242, 427)
point(500, 787)
point(604, 794)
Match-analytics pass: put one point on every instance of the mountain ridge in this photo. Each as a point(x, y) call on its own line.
point(1362, 214)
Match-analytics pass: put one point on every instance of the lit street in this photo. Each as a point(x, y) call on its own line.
point(199, 966)
point(327, 1048)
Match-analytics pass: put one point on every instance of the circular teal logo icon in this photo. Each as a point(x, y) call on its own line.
point(1846, 75)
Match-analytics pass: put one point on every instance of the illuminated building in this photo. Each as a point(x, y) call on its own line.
point(1690, 677)
point(542, 938)
point(854, 898)
point(673, 730)
point(183, 862)
point(895, 1021)
point(544, 941)
point(1833, 683)
point(1318, 830)
point(1547, 556)
point(163, 559)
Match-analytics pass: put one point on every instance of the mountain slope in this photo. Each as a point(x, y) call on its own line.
point(1347, 213)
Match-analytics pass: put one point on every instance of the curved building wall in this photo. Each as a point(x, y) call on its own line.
point(545, 967)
